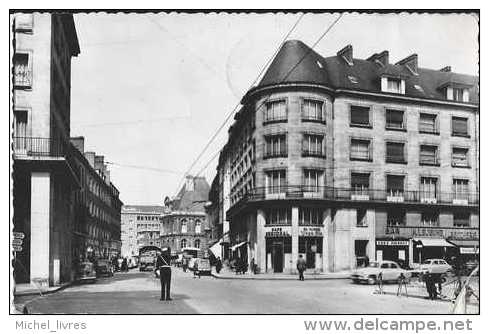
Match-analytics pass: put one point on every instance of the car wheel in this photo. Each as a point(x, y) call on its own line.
point(372, 280)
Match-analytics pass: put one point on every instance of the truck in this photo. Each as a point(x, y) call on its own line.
point(147, 258)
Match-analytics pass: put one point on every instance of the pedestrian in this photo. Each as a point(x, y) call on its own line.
point(218, 265)
point(163, 264)
point(124, 265)
point(253, 266)
point(367, 260)
point(301, 266)
point(184, 264)
point(196, 268)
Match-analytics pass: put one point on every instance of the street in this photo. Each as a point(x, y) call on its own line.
point(138, 293)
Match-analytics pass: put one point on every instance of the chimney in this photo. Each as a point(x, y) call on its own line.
point(446, 69)
point(107, 176)
point(380, 58)
point(347, 54)
point(189, 183)
point(79, 143)
point(411, 62)
point(90, 156)
point(99, 163)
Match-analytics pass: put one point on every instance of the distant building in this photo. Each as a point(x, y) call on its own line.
point(338, 159)
point(185, 224)
point(97, 207)
point(44, 173)
point(140, 227)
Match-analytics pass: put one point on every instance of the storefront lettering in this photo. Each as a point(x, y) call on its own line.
point(277, 232)
point(392, 243)
point(311, 232)
point(408, 231)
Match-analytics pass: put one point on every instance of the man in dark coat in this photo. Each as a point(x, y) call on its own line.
point(163, 264)
point(301, 267)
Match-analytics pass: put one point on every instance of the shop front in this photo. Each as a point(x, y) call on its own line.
point(278, 241)
point(311, 246)
point(432, 248)
point(468, 250)
point(396, 250)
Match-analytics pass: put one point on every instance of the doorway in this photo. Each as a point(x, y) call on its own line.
point(278, 257)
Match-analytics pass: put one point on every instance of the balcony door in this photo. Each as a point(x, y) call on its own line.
point(20, 131)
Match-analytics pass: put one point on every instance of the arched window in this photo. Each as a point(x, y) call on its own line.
point(184, 226)
point(198, 226)
point(197, 243)
point(183, 243)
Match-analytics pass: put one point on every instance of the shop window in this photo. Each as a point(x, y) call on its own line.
point(359, 116)
point(394, 119)
point(310, 216)
point(280, 216)
point(428, 123)
point(310, 244)
point(312, 110)
point(461, 219)
point(360, 149)
point(460, 157)
point(275, 111)
point(362, 218)
point(428, 155)
point(395, 152)
point(460, 127)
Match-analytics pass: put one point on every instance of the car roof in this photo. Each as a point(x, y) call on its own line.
point(434, 260)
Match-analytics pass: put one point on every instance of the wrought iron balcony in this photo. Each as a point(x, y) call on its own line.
point(39, 147)
point(298, 192)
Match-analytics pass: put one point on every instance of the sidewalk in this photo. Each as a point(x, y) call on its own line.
point(27, 289)
point(226, 273)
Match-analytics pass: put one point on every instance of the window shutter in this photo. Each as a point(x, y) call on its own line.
point(395, 182)
point(395, 116)
point(359, 115)
point(395, 151)
point(459, 125)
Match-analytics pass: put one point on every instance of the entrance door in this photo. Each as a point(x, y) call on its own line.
point(310, 259)
point(278, 258)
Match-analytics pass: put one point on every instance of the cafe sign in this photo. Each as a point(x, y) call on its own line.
point(392, 243)
point(310, 231)
point(278, 232)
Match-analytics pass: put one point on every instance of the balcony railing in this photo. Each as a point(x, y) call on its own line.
point(39, 147)
point(357, 194)
point(456, 233)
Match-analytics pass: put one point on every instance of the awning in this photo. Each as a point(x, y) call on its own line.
point(216, 249)
point(233, 248)
point(432, 242)
point(465, 243)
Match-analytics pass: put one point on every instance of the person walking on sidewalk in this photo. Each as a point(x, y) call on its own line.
point(218, 265)
point(301, 267)
point(163, 264)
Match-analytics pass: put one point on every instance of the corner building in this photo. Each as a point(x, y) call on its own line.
point(339, 159)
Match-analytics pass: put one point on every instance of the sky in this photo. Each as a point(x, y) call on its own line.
point(149, 90)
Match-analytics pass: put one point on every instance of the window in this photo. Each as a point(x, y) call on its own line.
point(427, 123)
point(280, 216)
point(312, 110)
point(396, 217)
point(312, 145)
point(460, 157)
point(360, 182)
point(312, 180)
point(360, 149)
point(428, 187)
point(184, 226)
point(22, 70)
point(275, 146)
point(276, 111)
point(395, 152)
point(461, 219)
point(183, 243)
point(359, 116)
point(198, 227)
point(276, 181)
point(23, 22)
point(459, 127)
point(20, 130)
point(197, 243)
point(392, 85)
point(428, 155)
point(460, 189)
point(310, 216)
point(460, 94)
point(395, 185)
point(362, 218)
point(429, 218)
point(394, 119)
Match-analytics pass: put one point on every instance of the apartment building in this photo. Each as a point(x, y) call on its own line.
point(338, 158)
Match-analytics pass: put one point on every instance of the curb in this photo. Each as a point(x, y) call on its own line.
point(292, 278)
point(37, 293)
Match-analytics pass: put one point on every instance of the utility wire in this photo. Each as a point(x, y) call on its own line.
point(145, 168)
point(151, 120)
point(288, 73)
point(239, 102)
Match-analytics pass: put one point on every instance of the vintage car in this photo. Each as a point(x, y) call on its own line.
point(435, 266)
point(87, 272)
point(391, 271)
point(104, 268)
point(204, 266)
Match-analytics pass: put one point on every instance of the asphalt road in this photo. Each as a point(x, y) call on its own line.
point(138, 293)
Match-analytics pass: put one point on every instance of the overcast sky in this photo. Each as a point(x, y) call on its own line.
point(150, 90)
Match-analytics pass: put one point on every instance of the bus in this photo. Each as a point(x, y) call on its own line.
point(147, 258)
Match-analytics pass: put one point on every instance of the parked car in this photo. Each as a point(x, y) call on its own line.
point(435, 266)
point(87, 272)
point(390, 272)
point(104, 268)
point(204, 266)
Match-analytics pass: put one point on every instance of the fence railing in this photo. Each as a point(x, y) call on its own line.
point(40, 147)
point(357, 194)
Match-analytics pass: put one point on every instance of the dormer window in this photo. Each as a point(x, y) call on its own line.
point(393, 85)
point(459, 94)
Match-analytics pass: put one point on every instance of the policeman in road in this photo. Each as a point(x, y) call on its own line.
point(163, 264)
